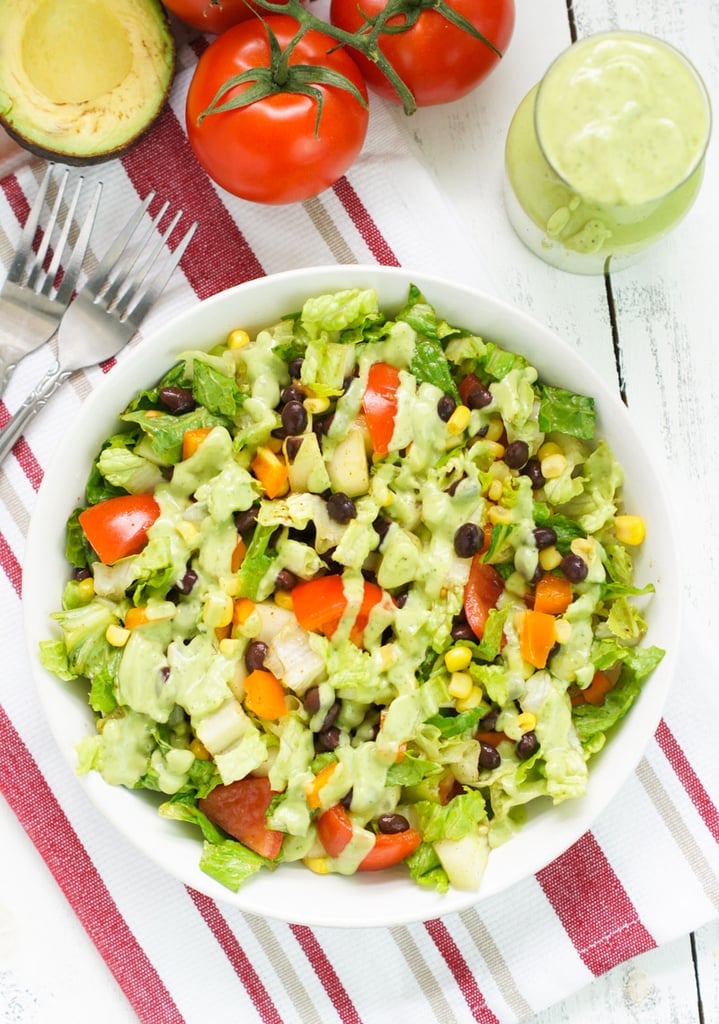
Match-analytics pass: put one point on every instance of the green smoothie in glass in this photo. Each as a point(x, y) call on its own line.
point(606, 154)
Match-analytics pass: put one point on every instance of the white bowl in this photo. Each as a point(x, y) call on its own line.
point(293, 893)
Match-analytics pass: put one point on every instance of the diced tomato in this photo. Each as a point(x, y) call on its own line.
point(118, 526)
point(380, 404)
point(334, 828)
point(481, 593)
point(320, 604)
point(389, 850)
point(240, 808)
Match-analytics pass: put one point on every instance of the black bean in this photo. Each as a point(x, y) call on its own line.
point(187, 582)
point(285, 580)
point(516, 454)
point(544, 537)
point(400, 599)
point(574, 568)
point(255, 655)
point(341, 508)
point(311, 702)
point(467, 540)
point(445, 407)
point(381, 525)
point(489, 756)
point(533, 469)
point(293, 393)
point(462, 631)
point(346, 800)
point(81, 574)
point(295, 367)
point(489, 722)
point(294, 418)
point(331, 716)
point(526, 745)
point(478, 397)
point(292, 447)
point(392, 824)
point(328, 739)
point(322, 424)
point(246, 519)
point(164, 673)
point(176, 400)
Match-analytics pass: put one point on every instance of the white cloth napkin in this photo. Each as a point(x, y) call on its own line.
point(646, 873)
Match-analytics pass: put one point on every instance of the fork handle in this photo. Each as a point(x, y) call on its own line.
point(32, 405)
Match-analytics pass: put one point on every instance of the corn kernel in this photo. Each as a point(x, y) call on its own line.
point(494, 448)
point(218, 610)
point(283, 599)
point(495, 429)
point(584, 547)
point(498, 470)
point(238, 338)
point(549, 558)
point(460, 685)
point(188, 531)
point(526, 721)
point(630, 529)
point(316, 404)
point(475, 698)
point(230, 646)
point(458, 658)
point(562, 630)
point(498, 514)
point(87, 587)
point(496, 490)
point(553, 466)
point(547, 449)
point(459, 420)
point(319, 865)
point(198, 748)
point(117, 636)
point(152, 414)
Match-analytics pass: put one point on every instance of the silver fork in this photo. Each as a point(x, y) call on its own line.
point(30, 304)
point(107, 311)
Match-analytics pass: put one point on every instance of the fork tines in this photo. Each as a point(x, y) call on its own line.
point(122, 283)
point(26, 269)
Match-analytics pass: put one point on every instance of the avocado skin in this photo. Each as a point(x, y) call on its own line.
point(23, 135)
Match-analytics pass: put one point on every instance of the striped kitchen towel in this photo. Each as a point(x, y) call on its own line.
point(500, 961)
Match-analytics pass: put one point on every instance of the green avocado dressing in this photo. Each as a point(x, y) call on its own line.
point(606, 154)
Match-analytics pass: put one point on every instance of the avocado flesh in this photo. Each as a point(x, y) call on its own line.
point(81, 80)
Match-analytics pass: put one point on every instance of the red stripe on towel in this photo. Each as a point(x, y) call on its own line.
point(34, 804)
point(688, 778)
point(593, 906)
point(326, 973)
point(219, 256)
point(11, 565)
point(461, 972)
point(362, 220)
point(238, 958)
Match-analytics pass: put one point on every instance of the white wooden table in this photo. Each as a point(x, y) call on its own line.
point(651, 331)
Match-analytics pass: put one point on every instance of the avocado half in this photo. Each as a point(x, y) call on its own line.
point(81, 80)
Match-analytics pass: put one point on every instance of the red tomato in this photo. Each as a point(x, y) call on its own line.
point(380, 404)
point(438, 61)
point(274, 150)
point(240, 809)
point(334, 828)
point(481, 593)
point(390, 850)
point(213, 16)
point(320, 604)
point(118, 526)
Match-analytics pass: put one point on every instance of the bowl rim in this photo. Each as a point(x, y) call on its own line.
point(387, 898)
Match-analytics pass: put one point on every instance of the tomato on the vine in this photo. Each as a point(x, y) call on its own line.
point(291, 126)
point(212, 16)
point(436, 59)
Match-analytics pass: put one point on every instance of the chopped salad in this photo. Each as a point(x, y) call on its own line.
point(353, 592)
